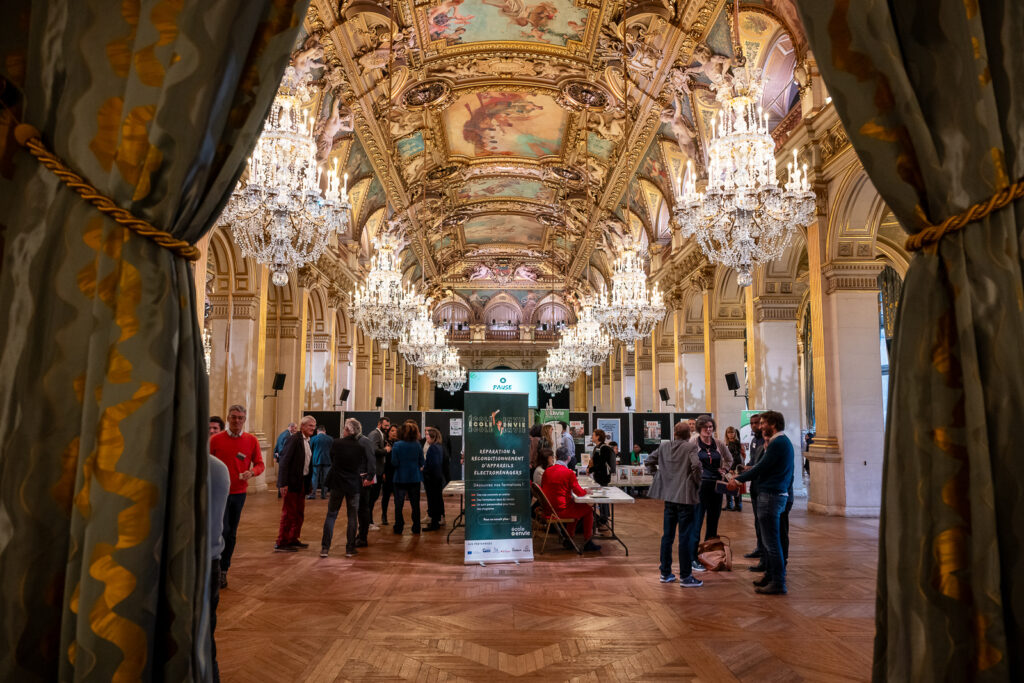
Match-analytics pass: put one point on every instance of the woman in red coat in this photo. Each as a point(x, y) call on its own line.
point(559, 484)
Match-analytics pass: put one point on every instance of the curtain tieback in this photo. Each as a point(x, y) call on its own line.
point(29, 138)
point(933, 233)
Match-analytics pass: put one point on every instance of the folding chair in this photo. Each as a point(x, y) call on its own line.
point(551, 518)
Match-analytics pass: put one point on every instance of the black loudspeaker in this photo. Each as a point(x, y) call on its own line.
point(344, 395)
point(595, 409)
point(664, 394)
point(278, 381)
point(378, 402)
point(629, 401)
point(732, 381)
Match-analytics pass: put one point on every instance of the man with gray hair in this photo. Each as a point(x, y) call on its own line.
point(352, 467)
point(294, 482)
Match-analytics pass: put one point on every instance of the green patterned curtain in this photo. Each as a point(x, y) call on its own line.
point(103, 403)
point(932, 96)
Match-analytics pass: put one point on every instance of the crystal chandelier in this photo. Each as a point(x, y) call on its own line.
point(278, 214)
point(560, 371)
point(449, 374)
point(381, 306)
point(587, 343)
point(743, 217)
point(422, 343)
point(629, 312)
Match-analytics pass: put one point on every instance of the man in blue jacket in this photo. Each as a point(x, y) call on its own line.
point(774, 476)
point(321, 445)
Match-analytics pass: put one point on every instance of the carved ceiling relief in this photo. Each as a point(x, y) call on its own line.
point(499, 129)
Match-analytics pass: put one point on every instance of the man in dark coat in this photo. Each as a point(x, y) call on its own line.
point(294, 482)
point(774, 476)
point(352, 468)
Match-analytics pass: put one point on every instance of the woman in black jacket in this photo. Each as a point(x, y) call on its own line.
point(601, 468)
point(433, 478)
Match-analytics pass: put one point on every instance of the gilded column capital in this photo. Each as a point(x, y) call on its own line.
point(775, 307)
point(857, 276)
point(703, 278)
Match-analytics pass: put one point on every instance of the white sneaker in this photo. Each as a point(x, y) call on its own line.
point(698, 567)
point(374, 527)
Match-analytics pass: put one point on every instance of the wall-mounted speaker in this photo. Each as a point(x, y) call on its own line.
point(595, 409)
point(732, 381)
point(629, 401)
point(278, 381)
point(377, 403)
point(344, 395)
point(664, 394)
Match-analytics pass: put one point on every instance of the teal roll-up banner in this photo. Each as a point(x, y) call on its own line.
point(497, 473)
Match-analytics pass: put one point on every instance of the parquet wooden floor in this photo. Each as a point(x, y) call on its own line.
point(407, 609)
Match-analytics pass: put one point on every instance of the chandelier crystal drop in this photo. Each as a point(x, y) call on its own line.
point(560, 371)
point(743, 218)
point(449, 374)
point(587, 343)
point(381, 306)
point(278, 214)
point(630, 311)
point(422, 343)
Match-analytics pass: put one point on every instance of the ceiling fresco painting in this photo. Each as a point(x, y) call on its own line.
point(505, 187)
point(505, 124)
point(458, 22)
point(497, 135)
point(507, 228)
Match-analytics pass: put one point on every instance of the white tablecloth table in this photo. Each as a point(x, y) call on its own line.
point(456, 487)
point(610, 496)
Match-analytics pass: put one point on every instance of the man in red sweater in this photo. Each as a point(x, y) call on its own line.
point(559, 483)
point(240, 453)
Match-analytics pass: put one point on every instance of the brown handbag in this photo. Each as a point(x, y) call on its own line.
point(716, 554)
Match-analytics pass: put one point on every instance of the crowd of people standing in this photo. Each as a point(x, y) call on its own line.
point(694, 472)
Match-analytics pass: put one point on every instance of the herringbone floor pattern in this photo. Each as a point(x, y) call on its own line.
point(407, 609)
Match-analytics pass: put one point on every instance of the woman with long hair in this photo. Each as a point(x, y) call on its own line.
point(601, 468)
point(407, 458)
point(715, 461)
point(734, 500)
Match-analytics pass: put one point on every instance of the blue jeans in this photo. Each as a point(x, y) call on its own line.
point(681, 516)
point(770, 506)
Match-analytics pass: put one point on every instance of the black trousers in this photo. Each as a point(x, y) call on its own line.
point(412, 492)
point(350, 494)
point(214, 602)
point(711, 507)
point(757, 522)
point(386, 489)
point(366, 500)
point(232, 516)
point(435, 499)
point(370, 495)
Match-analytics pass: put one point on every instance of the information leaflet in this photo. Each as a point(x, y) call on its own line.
point(498, 525)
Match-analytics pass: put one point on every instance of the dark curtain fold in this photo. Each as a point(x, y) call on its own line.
point(103, 404)
point(931, 95)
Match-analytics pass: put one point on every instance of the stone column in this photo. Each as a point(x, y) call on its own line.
point(704, 281)
point(677, 386)
point(846, 456)
point(220, 332)
point(692, 365)
point(728, 357)
point(778, 368)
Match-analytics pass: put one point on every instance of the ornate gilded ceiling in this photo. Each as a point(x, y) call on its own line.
point(498, 130)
